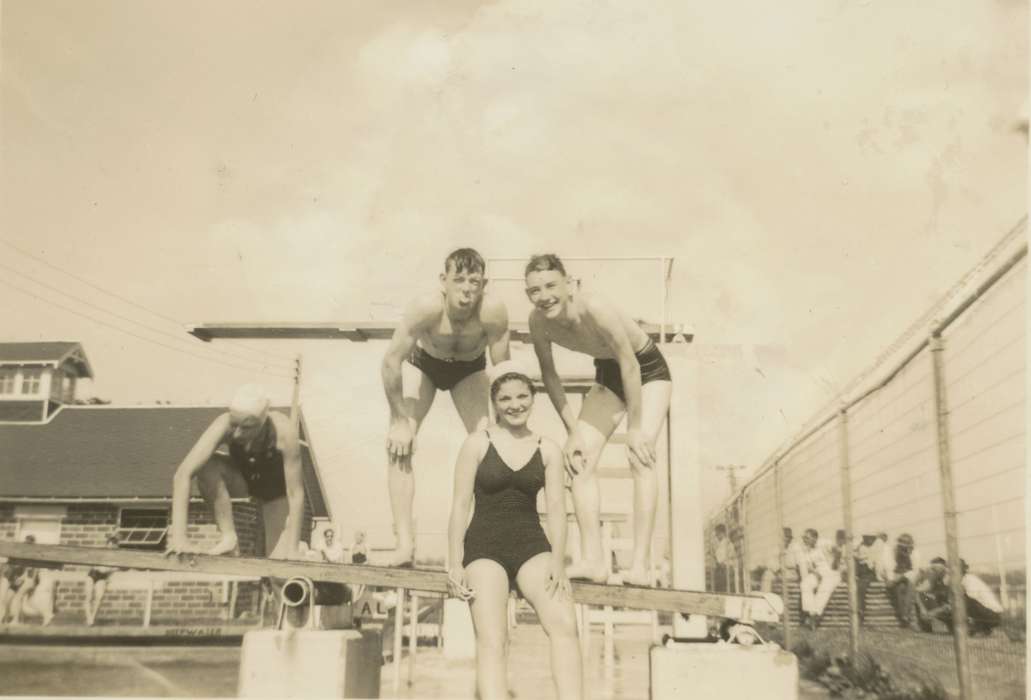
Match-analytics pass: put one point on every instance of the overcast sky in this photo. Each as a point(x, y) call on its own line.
point(822, 171)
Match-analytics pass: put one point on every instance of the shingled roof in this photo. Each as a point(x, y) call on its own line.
point(52, 353)
point(113, 452)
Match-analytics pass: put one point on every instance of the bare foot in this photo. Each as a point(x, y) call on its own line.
point(595, 571)
point(404, 557)
point(226, 545)
point(638, 577)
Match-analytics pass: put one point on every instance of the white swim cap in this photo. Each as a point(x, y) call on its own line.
point(250, 400)
point(507, 367)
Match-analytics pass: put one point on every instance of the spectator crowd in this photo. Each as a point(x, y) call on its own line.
point(919, 590)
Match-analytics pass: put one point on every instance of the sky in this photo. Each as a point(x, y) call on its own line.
point(821, 172)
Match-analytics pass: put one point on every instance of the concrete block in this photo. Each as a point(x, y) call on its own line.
point(310, 664)
point(723, 671)
point(457, 630)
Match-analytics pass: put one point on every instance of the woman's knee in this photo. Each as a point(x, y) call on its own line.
point(209, 475)
point(561, 623)
point(492, 644)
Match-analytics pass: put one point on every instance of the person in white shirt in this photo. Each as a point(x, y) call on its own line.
point(901, 568)
point(819, 579)
point(332, 550)
point(984, 611)
point(782, 563)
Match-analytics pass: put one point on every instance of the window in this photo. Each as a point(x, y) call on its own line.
point(30, 381)
point(42, 522)
point(6, 381)
point(142, 528)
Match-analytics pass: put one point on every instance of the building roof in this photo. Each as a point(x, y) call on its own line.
point(52, 353)
point(112, 453)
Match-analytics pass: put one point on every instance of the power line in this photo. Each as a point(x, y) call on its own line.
point(140, 337)
point(176, 338)
point(169, 319)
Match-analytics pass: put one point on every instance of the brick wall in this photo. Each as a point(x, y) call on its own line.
point(8, 526)
point(89, 524)
point(174, 601)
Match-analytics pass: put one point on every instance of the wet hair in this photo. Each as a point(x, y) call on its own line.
point(495, 386)
point(465, 260)
point(543, 263)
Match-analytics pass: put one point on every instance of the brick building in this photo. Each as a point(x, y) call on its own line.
point(73, 474)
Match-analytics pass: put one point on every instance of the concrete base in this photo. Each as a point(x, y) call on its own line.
point(457, 630)
point(310, 664)
point(683, 671)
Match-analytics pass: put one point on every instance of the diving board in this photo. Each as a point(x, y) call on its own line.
point(758, 608)
point(362, 331)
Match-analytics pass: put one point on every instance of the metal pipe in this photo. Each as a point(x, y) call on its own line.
point(297, 592)
point(959, 606)
point(850, 562)
point(779, 498)
point(981, 289)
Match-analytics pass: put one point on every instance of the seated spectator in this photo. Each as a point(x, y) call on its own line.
point(933, 599)
point(359, 550)
point(838, 551)
point(818, 578)
point(7, 577)
point(782, 563)
point(26, 580)
point(901, 565)
point(868, 555)
point(793, 551)
point(96, 583)
point(721, 552)
point(984, 611)
point(332, 550)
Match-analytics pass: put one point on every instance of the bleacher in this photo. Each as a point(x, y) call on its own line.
point(879, 612)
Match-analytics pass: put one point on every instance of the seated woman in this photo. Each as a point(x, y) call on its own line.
point(501, 470)
point(359, 550)
point(96, 588)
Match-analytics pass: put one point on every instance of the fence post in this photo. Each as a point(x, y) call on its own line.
point(959, 607)
point(785, 596)
point(849, 554)
point(1000, 563)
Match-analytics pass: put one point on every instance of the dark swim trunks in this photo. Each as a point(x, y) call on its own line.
point(505, 527)
point(653, 369)
point(445, 374)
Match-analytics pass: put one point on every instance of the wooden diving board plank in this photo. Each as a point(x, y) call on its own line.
point(761, 608)
point(360, 331)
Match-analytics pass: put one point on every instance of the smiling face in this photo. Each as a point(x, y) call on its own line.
point(513, 400)
point(463, 289)
point(549, 291)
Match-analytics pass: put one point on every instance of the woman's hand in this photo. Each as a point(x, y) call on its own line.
point(456, 585)
point(558, 582)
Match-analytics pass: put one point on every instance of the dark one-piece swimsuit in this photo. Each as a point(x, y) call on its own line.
point(261, 465)
point(505, 527)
